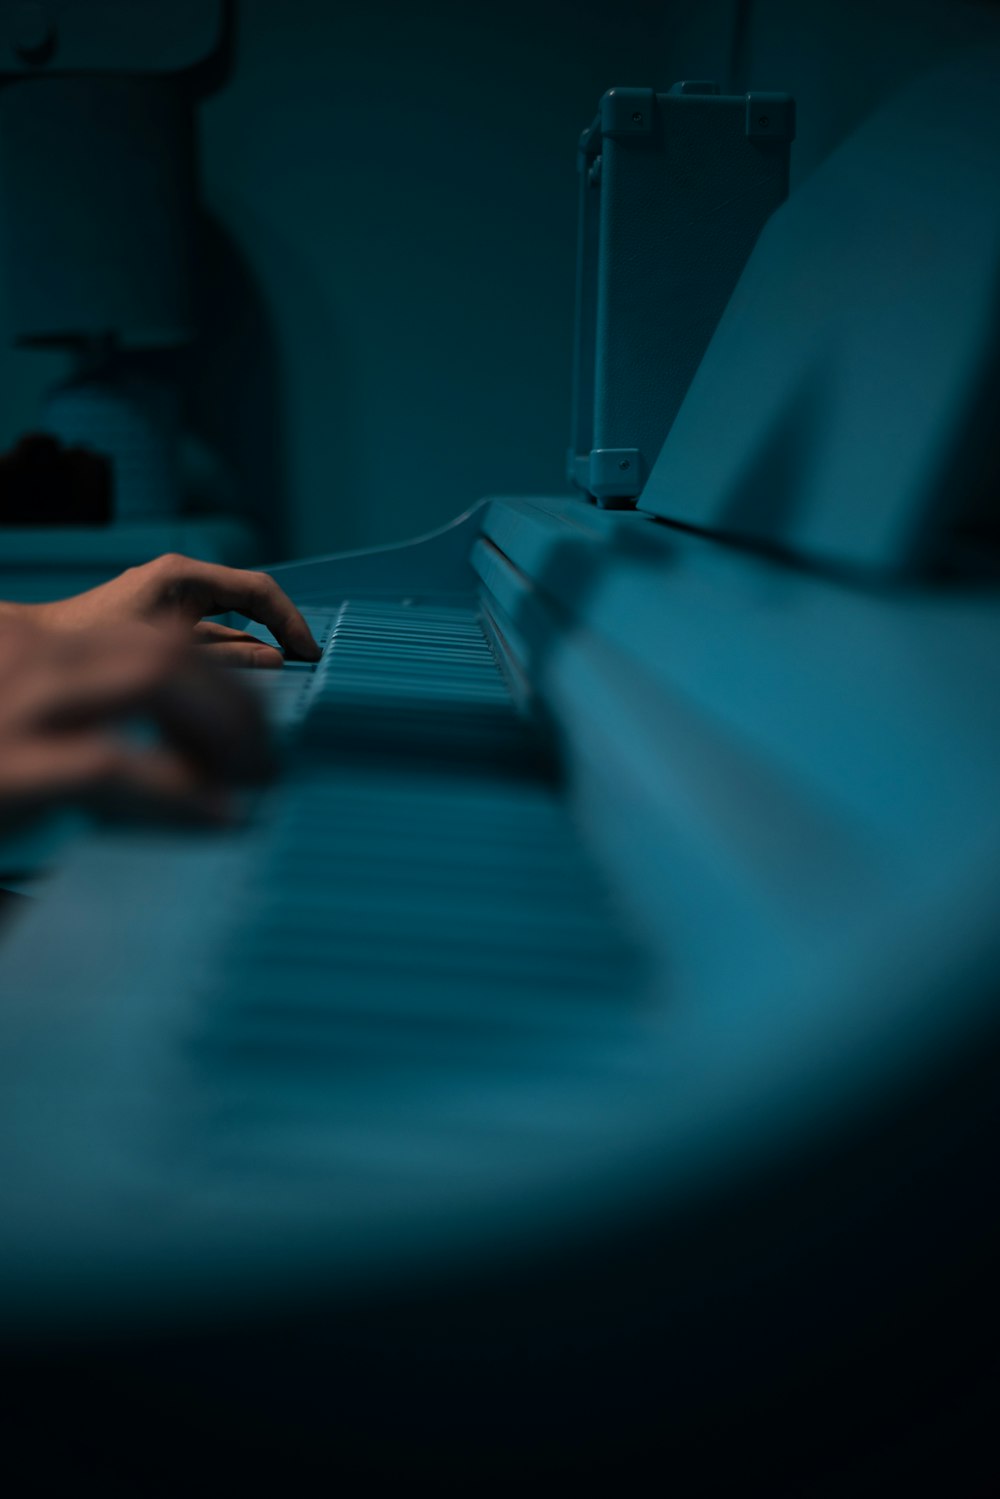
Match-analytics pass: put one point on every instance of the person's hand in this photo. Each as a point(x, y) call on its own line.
point(177, 591)
point(63, 697)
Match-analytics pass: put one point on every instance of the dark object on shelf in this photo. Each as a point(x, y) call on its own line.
point(43, 483)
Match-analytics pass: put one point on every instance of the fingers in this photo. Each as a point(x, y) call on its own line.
point(181, 587)
point(62, 692)
point(206, 715)
point(97, 769)
point(255, 655)
point(98, 675)
point(157, 783)
point(216, 590)
point(85, 681)
point(235, 647)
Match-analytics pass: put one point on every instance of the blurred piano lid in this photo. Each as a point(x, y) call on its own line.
point(855, 369)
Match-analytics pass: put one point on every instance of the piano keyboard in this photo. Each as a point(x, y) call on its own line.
point(405, 681)
point(402, 992)
point(422, 888)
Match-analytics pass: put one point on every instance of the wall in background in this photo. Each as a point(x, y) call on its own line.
point(399, 183)
point(388, 253)
point(840, 58)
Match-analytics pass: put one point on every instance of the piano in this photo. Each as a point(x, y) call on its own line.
point(586, 1053)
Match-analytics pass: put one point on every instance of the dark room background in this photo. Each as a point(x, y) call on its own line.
point(390, 201)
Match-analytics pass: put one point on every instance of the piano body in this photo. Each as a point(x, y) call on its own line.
point(589, 1048)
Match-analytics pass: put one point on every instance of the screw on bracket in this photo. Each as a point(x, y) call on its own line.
point(771, 116)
